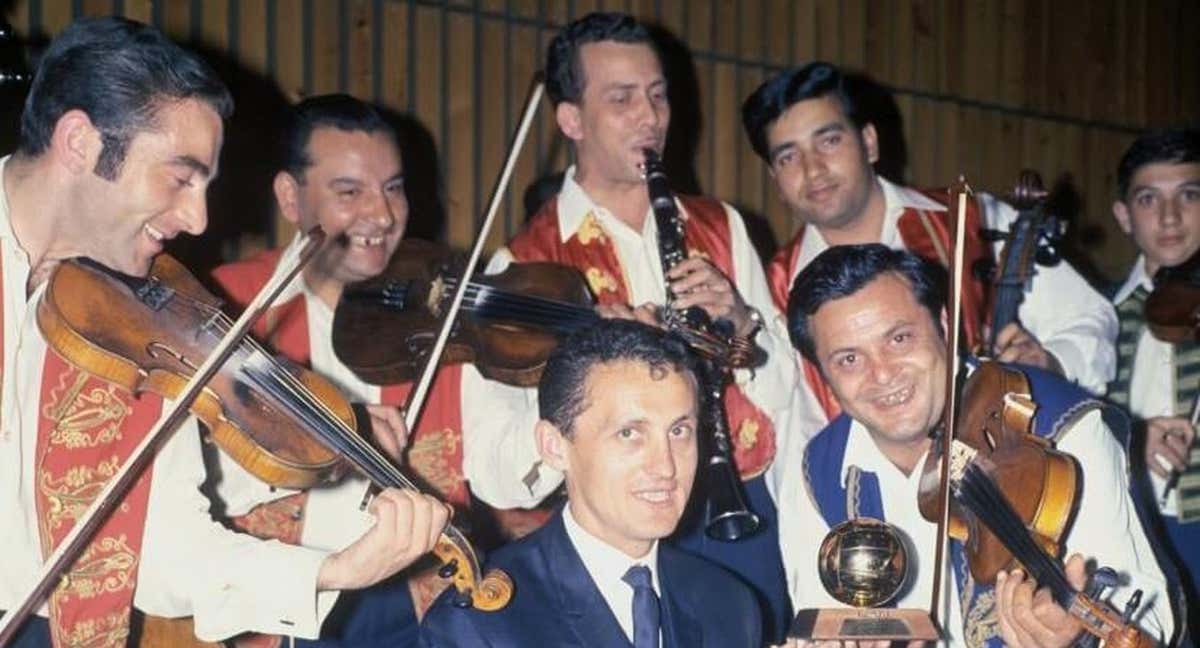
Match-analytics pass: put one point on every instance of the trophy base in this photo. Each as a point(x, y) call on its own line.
point(863, 624)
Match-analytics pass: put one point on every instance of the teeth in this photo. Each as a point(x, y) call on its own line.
point(366, 240)
point(654, 496)
point(895, 398)
point(153, 233)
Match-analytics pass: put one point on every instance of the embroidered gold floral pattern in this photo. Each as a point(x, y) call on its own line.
point(600, 281)
point(590, 230)
point(107, 566)
point(84, 418)
point(109, 630)
point(70, 496)
point(430, 456)
point(980, 624)
point(747, 434)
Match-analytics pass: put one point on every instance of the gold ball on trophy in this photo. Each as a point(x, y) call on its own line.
point(863, 562)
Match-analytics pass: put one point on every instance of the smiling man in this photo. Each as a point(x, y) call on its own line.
point(619, 404)
point(820, 149)
point(606, 83)
point(120, 138)
point(342, 171)
point(871, 319)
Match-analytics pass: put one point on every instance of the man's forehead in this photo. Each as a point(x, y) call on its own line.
point(612, 60)
point(1156, 172)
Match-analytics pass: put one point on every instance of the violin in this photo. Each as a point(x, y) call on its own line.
point(384, 327)
point(1014, 495)
point(1173, 309)
point(1031, 239)
point(150, 334)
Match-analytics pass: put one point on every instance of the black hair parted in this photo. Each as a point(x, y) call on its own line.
point(562, 391)
point(120, 73)
point(782, 91)
point(340, 111)
point(843, 270)
point(1169, 145)
point(564, 72)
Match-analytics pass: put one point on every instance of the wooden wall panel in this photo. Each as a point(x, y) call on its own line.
point(982, 87)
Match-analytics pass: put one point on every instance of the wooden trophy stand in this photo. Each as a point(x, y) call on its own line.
point(863, 624)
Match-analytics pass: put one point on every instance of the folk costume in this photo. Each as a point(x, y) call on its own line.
point(1156, 378)
point(1070, 319)
point(299, 327)
point(623, 266)
point(63, 434)
point(845, 475)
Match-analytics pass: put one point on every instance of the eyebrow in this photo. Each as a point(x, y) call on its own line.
point(192, 163)
point(827, 128)
point(903, 324)
point(1194, 182)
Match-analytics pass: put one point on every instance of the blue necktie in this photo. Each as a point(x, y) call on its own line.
point(645, 607)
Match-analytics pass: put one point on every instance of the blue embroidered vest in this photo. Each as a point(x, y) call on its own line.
point(1060, 405)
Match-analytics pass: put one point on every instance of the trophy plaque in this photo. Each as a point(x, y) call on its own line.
point(863, 563)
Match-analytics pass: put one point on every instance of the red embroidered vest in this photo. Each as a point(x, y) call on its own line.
point(926, 233)
point(435, 449)
point(589, 249)
point(87, 429)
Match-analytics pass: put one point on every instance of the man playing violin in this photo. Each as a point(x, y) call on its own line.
point(120, 137)
point(1158, 181)
point(605, 81)
point(620, 408)
point(820, 149)
point(871, 319)
point(342, 171)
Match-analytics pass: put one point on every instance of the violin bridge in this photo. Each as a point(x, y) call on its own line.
point(437, 288)
point(961, 456)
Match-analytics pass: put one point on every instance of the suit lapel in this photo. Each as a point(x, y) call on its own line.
point(583, 607)
point(681, 629)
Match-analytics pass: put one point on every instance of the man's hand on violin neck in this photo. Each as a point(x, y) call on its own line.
point(1029, 617)
point(407, 526)
point(1168, 444)
point(697, 282)
point(1015, 344)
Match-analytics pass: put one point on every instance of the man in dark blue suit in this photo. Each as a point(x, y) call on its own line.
point(619, 407)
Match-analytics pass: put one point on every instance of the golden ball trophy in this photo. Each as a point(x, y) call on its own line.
point(863, 563)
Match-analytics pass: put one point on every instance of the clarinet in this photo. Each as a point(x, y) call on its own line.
point(727, 517)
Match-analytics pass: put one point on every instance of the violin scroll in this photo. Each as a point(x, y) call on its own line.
point(460, 564)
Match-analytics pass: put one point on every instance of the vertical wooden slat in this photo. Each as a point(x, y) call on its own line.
point(214, 24)
point(96, 7)
point(289, 47)
point(140, 10)
point(394, 84)
point(252, 34)
point(827, 39)
point(493, 136)
point(460, 176)
point(55, 16)
point(177, 19)
point(325, 57)
point(852, 33)
point(359, 61)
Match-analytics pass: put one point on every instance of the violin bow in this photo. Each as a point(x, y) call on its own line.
point(949, 413)
point(416, 401)
point(114, 491)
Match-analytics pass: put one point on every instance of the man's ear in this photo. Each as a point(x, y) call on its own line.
point(287, 197)
point(569, 120)
point(552, 445)
point(76, 142)
point(870, 140)
point(1121, 214)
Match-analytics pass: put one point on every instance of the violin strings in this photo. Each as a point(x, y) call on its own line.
point(980, 494)
point(332, 430)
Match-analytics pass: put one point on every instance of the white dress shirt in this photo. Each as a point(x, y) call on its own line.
point(1071, 320)
point(190, 565)
point(607, 566)
point(1152, 383)
point(504, 468)
point(1106, 528)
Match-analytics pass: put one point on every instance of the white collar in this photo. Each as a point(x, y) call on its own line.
point(603, 561)
point(863, 452)
point(1137, 277)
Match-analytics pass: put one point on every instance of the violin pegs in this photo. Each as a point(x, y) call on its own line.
point(1131, 606)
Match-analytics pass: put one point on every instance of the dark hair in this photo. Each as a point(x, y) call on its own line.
point(561, 393)
point(339, 111)
point(564, 72)
point(782, 91)
point(1170, 145)
point(843, 270)
point(120, 73)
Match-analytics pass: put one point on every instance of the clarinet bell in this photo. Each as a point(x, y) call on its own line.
point(727, 517)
